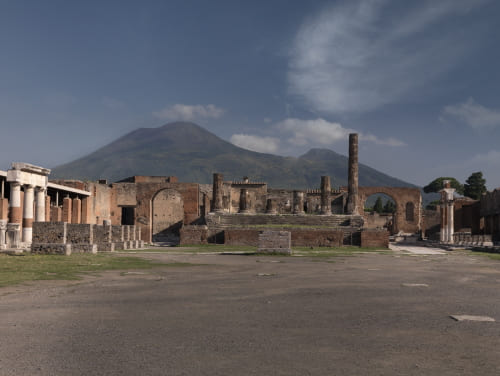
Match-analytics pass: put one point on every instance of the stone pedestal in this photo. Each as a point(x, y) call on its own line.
point(13, 235)
point(275, 242)
point(3, 233)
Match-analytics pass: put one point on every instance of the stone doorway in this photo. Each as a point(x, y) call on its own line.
point(167, 216)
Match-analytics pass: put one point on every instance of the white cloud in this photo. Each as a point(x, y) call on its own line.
point(359, 55)
point(473, 114)
point(318, 131)
point(189, 113)
point(256, 143)
point(322, 132)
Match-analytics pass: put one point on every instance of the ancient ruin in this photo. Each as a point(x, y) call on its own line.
point(66, 216)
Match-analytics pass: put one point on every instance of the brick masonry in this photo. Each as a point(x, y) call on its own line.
point(375, 238)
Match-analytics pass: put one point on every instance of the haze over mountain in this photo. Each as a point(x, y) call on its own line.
point(193, 154)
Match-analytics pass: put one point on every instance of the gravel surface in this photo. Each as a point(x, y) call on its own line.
point(370, 314)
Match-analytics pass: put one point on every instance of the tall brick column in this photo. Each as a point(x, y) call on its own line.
point(326, 188)
point(15, 213)
point(66, 212)
point(40, 204)
point(217, 205)
point(47, 208)
point(352, 184)
point(76, 212)
point(271, 206)
point(29, 195)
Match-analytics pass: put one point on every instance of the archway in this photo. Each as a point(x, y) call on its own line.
point(408, 215)
point(167, 216)
point(379, 212)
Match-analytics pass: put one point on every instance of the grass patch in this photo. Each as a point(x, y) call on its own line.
point(18, 269)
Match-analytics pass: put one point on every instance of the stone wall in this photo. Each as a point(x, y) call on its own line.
point(66, 238)
point(49, 232)
point(79, 233)
point(375, 238)
point(299, 237)
point(194, 235)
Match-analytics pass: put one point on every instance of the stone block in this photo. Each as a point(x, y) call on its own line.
point(84, 248)
point(51, 249)
point(275, 242)
point(105, 247)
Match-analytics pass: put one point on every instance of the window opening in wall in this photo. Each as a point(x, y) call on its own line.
point(128, 215)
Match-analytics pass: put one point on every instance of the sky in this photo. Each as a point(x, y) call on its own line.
point(418, 80)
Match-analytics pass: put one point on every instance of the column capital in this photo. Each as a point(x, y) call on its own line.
point(40, 189)
point(28, 186)
point(14, 184)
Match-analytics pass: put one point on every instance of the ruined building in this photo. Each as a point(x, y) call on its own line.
point(162, 209)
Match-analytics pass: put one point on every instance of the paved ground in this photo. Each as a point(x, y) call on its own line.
point(250, 315)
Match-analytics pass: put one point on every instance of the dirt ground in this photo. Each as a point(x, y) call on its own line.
point(371, 314)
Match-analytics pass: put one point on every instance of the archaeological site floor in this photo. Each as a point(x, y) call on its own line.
point(369, 314)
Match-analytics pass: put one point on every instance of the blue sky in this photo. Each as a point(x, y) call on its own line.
point(418, 80)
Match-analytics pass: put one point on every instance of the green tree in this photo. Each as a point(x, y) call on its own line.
point(475, 185)
point(389, 207)
point(378, 207)
point(437, 184)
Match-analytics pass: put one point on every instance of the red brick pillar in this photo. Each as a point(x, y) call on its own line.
point(55, 214)
point(47, 208)
point(86, 210)
point(76, 215)
point(15, 214)
point(66, 212)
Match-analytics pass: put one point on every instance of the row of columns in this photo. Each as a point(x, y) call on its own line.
point(26, 216)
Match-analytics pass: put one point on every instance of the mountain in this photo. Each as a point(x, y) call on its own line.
point(193, 154)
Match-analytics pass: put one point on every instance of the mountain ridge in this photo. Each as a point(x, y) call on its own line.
point(192, 153)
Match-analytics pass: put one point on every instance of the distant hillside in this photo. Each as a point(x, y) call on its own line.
point(193, 154)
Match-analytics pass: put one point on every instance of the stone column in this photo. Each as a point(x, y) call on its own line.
point(271, 206)
point(217, 203)
point(298, 202)
point(29, 195)
point(450, 221)
point(244, 201)
point(15, 214)
point(326, 206)
point(443, 222)
point(352, 187)
point(40, 204)
point(3, 231)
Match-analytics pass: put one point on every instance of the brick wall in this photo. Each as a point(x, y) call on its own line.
point(194, 235)
point(375, 238)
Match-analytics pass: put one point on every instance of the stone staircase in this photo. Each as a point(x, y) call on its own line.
point(288, 220)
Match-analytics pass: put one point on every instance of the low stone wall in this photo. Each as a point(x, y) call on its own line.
point(275, 242)
point(466, 238)
point(193, 235)
point(375, 238)
point(299, 237)
point(65, 238)
point(49, 232)
point(79, 233)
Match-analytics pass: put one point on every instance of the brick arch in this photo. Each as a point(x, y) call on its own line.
point(402, 197)
point(167, 214)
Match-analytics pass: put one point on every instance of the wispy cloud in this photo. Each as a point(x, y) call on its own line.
point(189, 112)
point(256, 143)
point(473, 114)
point(359, 55)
